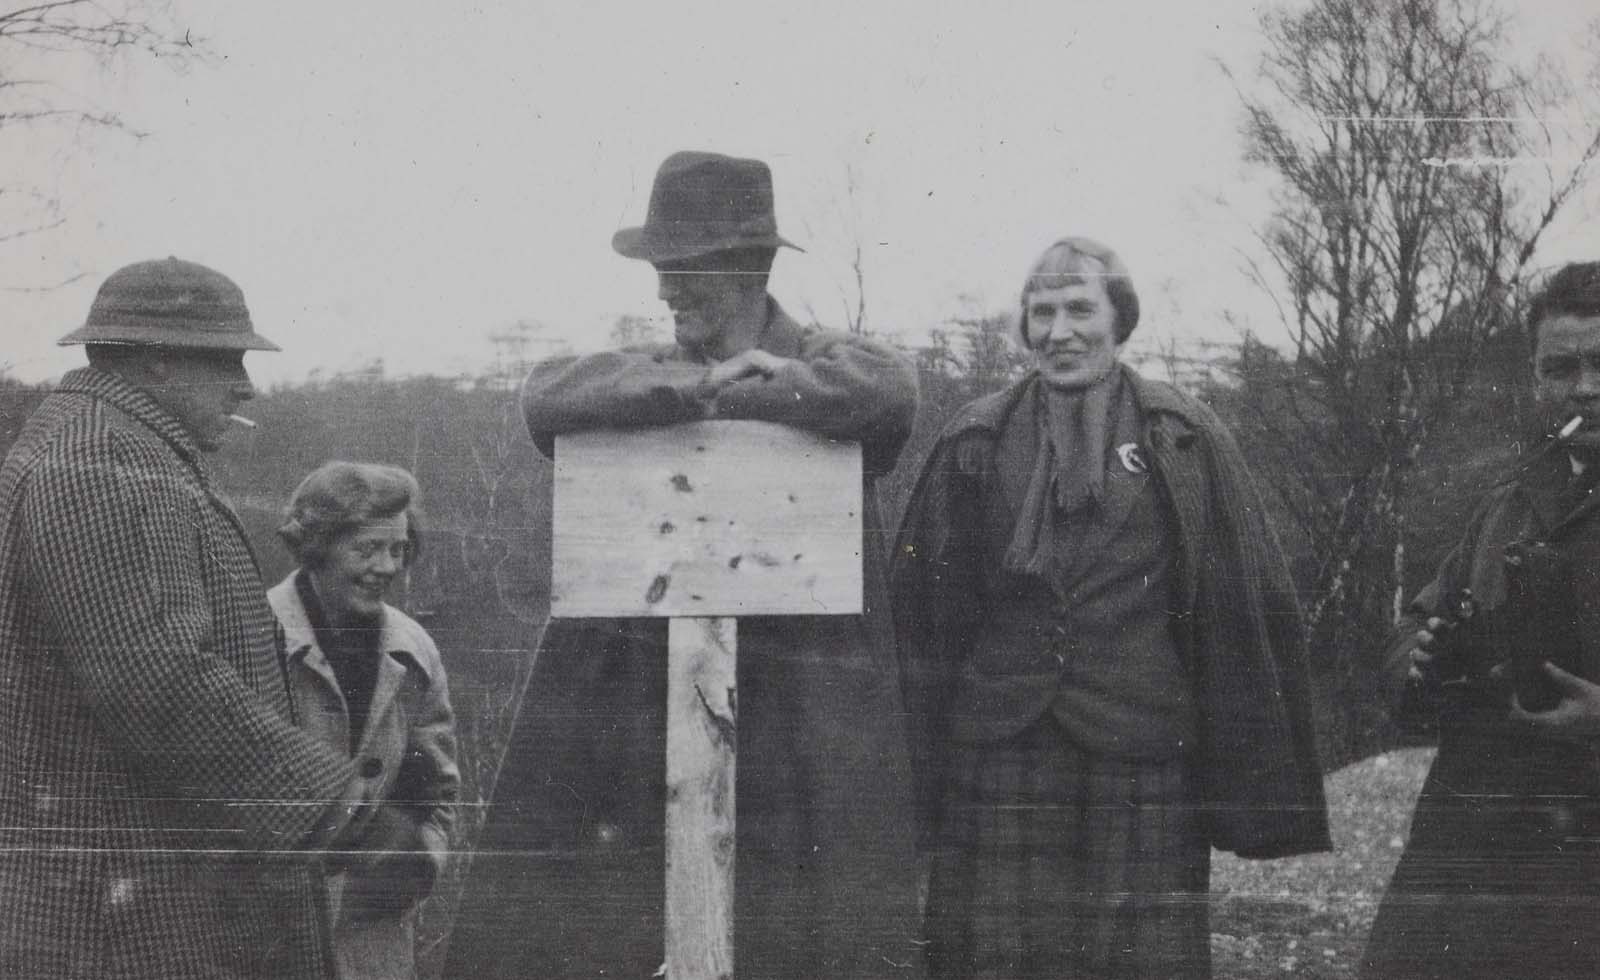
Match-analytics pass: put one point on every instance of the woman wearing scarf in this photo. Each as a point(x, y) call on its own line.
point(367, 679)
point(1102, 656)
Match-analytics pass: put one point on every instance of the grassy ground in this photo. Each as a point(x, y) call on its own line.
point(1305, 917)
point(1308, 917)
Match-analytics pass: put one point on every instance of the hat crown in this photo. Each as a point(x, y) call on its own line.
point(702, 203)
point(170, 290)
point(711, 189)
point(172, 303)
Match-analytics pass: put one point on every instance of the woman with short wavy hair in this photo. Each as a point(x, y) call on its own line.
point(368, 680)
point(1102, 657)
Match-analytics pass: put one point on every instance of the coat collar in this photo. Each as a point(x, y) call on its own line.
point(1165, 408)
point(124, 397)
point(300, 642)
point(780, 335)
point(1544, 485)
point(137, 408)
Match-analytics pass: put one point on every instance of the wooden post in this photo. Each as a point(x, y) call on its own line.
point(701, 767)
point(700, 523)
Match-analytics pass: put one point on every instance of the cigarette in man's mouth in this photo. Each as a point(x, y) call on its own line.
point(1571, 427)
point(241, 420)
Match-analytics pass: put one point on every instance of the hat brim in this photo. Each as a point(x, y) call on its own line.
point(649, 245)
point(148, 335)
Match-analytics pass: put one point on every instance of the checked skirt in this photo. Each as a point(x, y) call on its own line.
point(1057, 863)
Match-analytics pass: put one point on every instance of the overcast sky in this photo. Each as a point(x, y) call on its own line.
point(400, 180)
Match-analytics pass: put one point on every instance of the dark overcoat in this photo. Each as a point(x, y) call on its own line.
point(152, 779)
point(567, 877)
point(1501, 874)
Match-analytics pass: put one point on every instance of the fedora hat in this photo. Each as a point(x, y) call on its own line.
point(170, 303)
point(703, 203)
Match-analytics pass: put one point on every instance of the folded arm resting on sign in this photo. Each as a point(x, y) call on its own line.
point(120, 569)
point(837, 385)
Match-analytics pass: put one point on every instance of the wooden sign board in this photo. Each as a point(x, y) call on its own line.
point(713, 518)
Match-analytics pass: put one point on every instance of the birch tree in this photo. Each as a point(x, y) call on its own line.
point(1415, 167)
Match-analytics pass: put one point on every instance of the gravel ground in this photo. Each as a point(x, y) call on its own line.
point(1308, 917)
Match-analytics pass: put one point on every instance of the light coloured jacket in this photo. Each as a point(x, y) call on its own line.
point(407, 753)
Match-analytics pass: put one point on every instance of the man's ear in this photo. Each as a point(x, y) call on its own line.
point(158, 365)
point(144, 367)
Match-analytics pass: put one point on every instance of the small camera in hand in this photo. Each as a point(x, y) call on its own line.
point(1534, 623)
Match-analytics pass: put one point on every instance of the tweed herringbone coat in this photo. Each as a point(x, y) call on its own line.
point(153, 784)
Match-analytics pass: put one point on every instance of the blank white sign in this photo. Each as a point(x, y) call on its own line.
point(706, 519)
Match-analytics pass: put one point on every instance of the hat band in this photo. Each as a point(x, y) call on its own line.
point(688, 232)
point(215, 321)
point(143, 331)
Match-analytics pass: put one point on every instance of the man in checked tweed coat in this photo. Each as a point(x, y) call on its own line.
point(157, 801)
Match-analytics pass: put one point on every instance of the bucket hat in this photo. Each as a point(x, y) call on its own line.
point(170, 303)
point(703, 203)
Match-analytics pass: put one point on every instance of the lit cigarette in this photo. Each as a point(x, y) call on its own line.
point(1571, 427)
point(241, 420)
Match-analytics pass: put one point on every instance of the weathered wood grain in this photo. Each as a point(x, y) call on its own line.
point(706, 519)
point(702, 707)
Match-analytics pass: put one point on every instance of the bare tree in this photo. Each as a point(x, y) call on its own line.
point(844, 224)
point(857, 317)
point(971, 352)
point(38, 41)
point(1416, 168)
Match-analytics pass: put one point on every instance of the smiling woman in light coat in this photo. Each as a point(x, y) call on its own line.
point(368, 680)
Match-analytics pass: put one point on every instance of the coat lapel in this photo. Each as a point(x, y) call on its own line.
point(314, 662)
point(393, 665)
point(300, 646)
point(1542, 487)
point(394, 661)
point(1583, 512)
point(781, 335)
point(391, 675)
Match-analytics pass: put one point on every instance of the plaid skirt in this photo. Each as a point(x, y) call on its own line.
point(1057, 863)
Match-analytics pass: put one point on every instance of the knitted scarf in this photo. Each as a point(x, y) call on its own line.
point(1075, 428)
